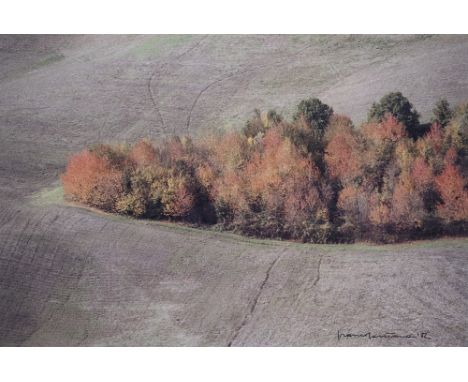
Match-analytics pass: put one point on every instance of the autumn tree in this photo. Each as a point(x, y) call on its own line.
point(315, 113)
point(401, 108)
point(442, 112)
point(254, 125)
point(456, 134)
point(343, 153)
point(315, 178)
point(143, 153)
point(451, 186)
point(92, 180)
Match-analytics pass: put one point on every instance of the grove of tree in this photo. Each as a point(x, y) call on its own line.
point(316, 178)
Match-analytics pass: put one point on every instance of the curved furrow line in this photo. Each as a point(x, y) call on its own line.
point(24, 232)
point(200, 93)
point(317, 278)
point(158, 72)
point(254, 303)
point(153, 101)
point(197, 44)
point(232, 74)
point(10, 240)
point(73, 274)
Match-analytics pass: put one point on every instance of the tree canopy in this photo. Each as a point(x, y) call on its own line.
point(442, 112)
point(315, 112)
point(401, 108)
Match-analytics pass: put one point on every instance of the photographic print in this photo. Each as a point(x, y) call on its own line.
point(233, 190)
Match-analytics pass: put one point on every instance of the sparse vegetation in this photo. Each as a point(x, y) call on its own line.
point(315, 179)
point(50, 59)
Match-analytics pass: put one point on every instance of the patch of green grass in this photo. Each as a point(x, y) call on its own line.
point(47, 196)
point(50, 59)
point(155, 45)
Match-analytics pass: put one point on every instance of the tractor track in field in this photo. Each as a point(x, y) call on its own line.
point(153, 101)
point(159, 72)
point(254, 302)
point(244, 69)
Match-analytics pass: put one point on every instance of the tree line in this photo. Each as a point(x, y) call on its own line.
point(316, 178)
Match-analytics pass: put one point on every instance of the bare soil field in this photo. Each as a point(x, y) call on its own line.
point(70, 276)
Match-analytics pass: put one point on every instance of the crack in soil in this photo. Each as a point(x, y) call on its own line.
point(260, 290)
point(189, 117)
point(244, 69)
point(317, 279)
point(253, 305)
point(153, 101)
point(158, 73)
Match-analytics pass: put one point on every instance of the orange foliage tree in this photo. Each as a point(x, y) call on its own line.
point(143, 153)
point(451, 186)
point(92, 180)
point(343, 152)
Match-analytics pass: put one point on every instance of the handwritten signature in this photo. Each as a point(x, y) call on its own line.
point(371, 336)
